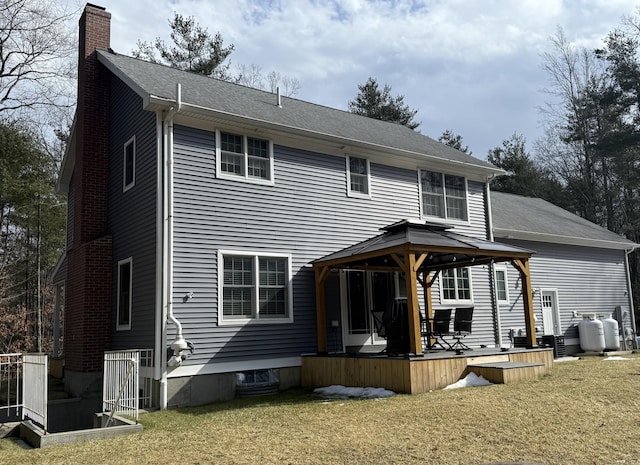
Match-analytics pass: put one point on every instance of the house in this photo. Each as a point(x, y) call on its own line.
point(578, 268)
point(208, 225)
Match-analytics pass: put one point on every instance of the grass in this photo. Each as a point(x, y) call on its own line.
point(583, 412)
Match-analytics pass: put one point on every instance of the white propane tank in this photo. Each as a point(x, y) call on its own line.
point(591, 332)
point(611, 334)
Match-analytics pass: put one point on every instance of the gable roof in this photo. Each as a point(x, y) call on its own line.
point(213, 98)
point(534, 219)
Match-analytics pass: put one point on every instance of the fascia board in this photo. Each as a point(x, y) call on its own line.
point(343, 145)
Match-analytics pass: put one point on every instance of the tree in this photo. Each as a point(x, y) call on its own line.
point(253, 76)
point(523, 176)
point(379, 104)
point(35, 46)
point(32, 225)
point(451, 139)
point(194, 49)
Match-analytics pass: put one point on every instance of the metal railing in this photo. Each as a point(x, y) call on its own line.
point(120, 393)
point(10, 386)
point(35, 388)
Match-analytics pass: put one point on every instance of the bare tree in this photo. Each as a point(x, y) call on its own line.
point(36, 43)
point(288, 86)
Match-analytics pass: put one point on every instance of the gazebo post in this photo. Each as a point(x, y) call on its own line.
point(522, 265)
point(411, 278)
point(321, 317)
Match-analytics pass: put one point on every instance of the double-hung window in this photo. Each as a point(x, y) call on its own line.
point(502, 288)
point(244, 157)
point(129, 165)
point(455, 286)
point(358, 177)
point(443, 195)
point(254, 287)
point(125, 280)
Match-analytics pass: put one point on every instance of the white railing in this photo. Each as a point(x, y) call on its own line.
point(10, 392)
point(34, 388)
point(120, 393)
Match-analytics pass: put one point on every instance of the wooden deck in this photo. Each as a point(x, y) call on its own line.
point(415, 375)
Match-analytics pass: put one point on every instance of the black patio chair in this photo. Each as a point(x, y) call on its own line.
point(461, 327)
point(381, 329)
point(437, 328)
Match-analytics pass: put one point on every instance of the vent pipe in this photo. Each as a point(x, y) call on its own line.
point(279, 98)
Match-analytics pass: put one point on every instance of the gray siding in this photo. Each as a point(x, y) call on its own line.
point(587, 280)
point(132, 214)
point(483, 327)
point(306, 214)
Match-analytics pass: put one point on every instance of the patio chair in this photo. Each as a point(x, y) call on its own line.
point(381, 329)
point(437, 328)
point(461, 327)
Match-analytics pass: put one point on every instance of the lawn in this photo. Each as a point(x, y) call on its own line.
point(582, 412)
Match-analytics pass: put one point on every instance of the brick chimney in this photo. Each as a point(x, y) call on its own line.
point(90, 264)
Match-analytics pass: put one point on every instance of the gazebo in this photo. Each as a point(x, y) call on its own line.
point(420, 250)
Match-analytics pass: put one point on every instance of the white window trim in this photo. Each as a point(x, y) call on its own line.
point(446, 218)
point(458, 302)
point(255, 319)
point(125, 186)
point(120, 327)
point(352, 193)
point(245, 177)
point(504, 270)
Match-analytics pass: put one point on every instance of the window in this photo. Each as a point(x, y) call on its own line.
point(129, 166)
point(502, 290)
point(358, 179)
point(243, 157)
point(443, 195)
point(254, 287)
point(455, 285)
point(124, 294)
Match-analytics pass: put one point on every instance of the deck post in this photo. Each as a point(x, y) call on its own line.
point(321, 273)
point(413, 308)
point(522, 265)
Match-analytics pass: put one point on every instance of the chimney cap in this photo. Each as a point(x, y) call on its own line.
point(96, 6)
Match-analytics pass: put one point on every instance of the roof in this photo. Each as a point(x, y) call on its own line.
point(534, 219)
point(157, 85)
point(444, 248)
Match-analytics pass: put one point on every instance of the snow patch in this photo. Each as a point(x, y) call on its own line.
point(342, 392)
point(471, 380)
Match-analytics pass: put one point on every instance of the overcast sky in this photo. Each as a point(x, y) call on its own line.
point(472, 66)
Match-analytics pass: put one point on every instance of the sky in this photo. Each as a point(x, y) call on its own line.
point(470, 66)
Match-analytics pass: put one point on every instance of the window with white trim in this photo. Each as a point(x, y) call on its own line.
point(443, 195)
point(125, 280)
point(455, 286)
point(358, 177)
point(254, 287)
point(243, 157)
point(502, 287)
point(129, 165)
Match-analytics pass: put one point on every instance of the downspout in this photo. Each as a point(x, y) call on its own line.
point(630, 291)
point(492, 287)
point(167, 246)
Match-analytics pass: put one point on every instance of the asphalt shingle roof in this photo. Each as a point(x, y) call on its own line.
point(532, 215)
point(154, 80)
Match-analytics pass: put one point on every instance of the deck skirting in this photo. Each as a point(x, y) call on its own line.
point(416, 375)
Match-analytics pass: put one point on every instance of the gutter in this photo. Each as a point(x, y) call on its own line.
point(630, 292)
point(166, 247)
point(492, 284)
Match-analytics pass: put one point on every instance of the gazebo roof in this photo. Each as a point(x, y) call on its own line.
point(444, 248)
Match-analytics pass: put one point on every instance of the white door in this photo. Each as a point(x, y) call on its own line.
point(550, 312)
point(364, 292)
